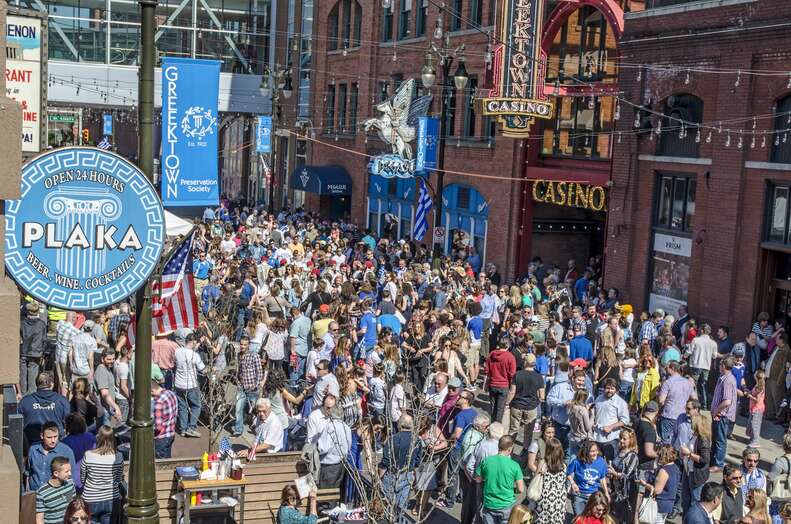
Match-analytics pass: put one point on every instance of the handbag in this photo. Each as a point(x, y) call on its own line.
point(536, 486)
point(648, 511)
point(780, 487)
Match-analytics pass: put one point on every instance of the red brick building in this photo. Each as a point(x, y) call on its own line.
point(361, 52)
point(698, 208)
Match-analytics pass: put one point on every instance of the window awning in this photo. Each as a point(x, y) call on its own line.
point(322, 180)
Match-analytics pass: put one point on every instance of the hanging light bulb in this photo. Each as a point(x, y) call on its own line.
point(682, 133)
point(697, 136)
point(591, 102)
point(708, 138)
point(345, 51)
point(659, 127)
point(763, 142)
point(639, 73)
point(438, 29)
point(728, 140)
point(777, 140)
point(557, 87)
point(740, 143)
point(487, 57)
point(617, 115)
point(788, 85)
point(395, 56)
point(637, 120)
point(619, 138)
point(387, 4)
point(686, 78)
point(752, 143)
point(785, 137)
point(738, 79)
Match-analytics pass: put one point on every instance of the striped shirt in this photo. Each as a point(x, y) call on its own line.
point(101, 475)
point(52, 501)
point(725, 390)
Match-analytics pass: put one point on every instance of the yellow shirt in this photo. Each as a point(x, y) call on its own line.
point(320, 327)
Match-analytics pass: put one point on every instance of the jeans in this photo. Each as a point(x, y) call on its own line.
point(162, 447)
point(242, 318)
point(168, 373)
point(562, 434)
point(720, 429)
point(454, 462)
point(28, 372)
point(189, 405)
point(496, 516)
point(578, 503)
point(244, 401)
point(666, 428)
point(689, 495)
point(296, 374)
point(470, 507)
point(497, 397)
point(487, 326)
point(701, 378)
point(397, 487)
point(104, 512)
point(123, 405)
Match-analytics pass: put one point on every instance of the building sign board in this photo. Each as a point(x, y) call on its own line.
point(671, 265)
point(571, 194)
point(23, 74)
point(517, 97)
point(87, 232)
point(263, 134)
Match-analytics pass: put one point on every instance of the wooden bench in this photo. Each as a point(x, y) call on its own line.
point(267, 476)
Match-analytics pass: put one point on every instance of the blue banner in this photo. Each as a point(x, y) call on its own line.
point(263, 135)
point(427, 143)
point(189, 132)
point(108, 125)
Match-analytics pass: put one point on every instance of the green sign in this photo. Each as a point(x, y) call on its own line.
point(62, 118)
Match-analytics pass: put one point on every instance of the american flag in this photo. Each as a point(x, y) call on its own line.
point(225, 446)
point(174, 305)
point(424, 204)
point(252, 452)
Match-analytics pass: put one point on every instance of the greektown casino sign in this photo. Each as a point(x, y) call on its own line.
point(517, 97)
point(87, 232)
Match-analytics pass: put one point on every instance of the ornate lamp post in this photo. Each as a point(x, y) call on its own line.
point(275, 84)
point(445, 56)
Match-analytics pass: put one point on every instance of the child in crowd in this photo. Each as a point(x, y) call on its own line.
point(757, 408)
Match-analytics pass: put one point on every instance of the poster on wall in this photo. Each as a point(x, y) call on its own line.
point(23, 75)
point(670, 276)
point(189, 132)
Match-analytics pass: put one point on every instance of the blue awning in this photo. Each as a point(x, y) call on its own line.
point(322, 180)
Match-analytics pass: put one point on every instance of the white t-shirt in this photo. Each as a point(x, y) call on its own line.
point(228, 246)
point(397, 402)
point(84, 347)
point(270, 431)
point(378, 395)
point(188, 363)
point(121, 371)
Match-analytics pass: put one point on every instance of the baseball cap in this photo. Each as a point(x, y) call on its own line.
point(454, 382)
point(738, 351)
point(324, 308)
point(651, 407)
point(579, 363)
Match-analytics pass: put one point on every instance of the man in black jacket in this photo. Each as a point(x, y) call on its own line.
point(732, 498)
point(33, 337)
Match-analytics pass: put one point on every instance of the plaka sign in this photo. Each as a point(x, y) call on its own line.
point(518, 94)
point(87, 232)
point(189, 132)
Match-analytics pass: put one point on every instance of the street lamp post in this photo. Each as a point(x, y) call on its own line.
point(445, 56)
point(142, 504)
point(274, 84)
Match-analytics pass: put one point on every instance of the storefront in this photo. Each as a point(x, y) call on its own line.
point(465, 217)
point(331, 184)
point(391, 206)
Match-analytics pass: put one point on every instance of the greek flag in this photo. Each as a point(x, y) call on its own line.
point(104, 144)
point(424, 204)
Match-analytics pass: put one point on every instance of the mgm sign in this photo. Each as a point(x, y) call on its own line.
point(517, 97)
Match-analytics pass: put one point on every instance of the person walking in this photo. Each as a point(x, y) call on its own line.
point(33, 336)
point(622, 474)
point(102, 472)
point(703, 511)
point(502, 480)
point(250, 376)
point(665, 484)
point(551, 507)
point(586, 473)
point(54, 496)
point(610, 415)
point(703, 350)
point(500, 368)
point(188, 364)
point(723, 413)
point(673, 396)
point(41, 455)
point(165, 413)
point(695, 458)
point(525, 395)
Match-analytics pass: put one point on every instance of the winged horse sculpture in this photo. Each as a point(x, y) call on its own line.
point(397, 123)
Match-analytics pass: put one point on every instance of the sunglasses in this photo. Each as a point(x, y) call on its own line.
point(78, 518)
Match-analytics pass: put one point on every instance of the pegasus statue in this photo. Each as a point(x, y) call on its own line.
point(397, 123)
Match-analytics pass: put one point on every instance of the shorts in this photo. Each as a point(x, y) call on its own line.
point(472, 355)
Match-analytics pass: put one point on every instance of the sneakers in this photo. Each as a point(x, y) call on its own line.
point(192, 433)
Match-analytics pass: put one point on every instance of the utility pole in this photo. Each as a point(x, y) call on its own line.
point(142, 504)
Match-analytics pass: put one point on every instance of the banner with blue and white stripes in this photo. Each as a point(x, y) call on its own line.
point(424, 205)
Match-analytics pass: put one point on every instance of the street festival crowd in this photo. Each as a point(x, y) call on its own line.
point(419, 383)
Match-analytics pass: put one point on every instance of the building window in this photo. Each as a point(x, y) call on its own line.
point(355, 95)
point(469, 107)
point(583, 50)
point(476, 14)
point(420, 18)
point(403, 19)
point(450, 119)
point(330, 125)
point(492, 11)
point(333, 23)
point(456, 14)
point(358, 24)
point(781, 145)
point(580, 128)
point(347, 22)
point(678, 139)
point(342, 124)
point(387, 24)
point(777, 215)
point(676, 203)
point(384, 90)
point(465, 219)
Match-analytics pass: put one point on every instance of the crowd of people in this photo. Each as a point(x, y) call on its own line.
point(430, 380)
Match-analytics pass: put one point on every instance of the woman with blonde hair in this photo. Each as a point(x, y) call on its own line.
point(757, 502)
point(520, 514)
point(696, 460)
point(646, 382)
point(665, 485)
point(606, 366)
point(622, 473)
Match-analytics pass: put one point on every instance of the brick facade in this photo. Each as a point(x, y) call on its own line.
point(726, 283)
point(509, 239)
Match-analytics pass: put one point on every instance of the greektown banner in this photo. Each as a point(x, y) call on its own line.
point(23, 72)
point(189, 132)
point(517, 97)
point(87, 232)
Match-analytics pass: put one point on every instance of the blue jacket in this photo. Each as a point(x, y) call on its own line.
point(38, 464)
point(696, 515)
point(44, 405)
point(580, 347)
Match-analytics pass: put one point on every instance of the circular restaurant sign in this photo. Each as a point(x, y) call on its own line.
point(87, 232)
